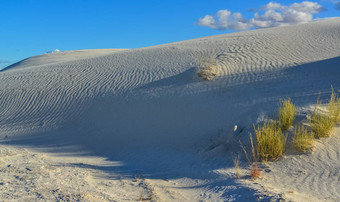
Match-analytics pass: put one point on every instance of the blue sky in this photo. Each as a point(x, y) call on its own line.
point(32, 27)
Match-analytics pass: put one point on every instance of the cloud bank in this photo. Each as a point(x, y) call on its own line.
point(270, 15)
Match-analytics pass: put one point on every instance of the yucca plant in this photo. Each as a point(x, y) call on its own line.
point(287, 114)
point(270, 141)
point(303, 140)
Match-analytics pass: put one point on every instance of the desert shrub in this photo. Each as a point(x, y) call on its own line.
point(207, 66)
point(303, 140)
point(321, 123)
point(270, 141)
point(287, 113)
point(334, 107)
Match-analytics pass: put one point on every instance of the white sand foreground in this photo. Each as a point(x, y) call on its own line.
point(131, 125)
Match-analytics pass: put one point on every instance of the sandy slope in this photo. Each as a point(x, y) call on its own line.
point(309, 177)
point(146, 109)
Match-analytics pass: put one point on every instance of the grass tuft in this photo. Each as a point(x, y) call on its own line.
point(270, 141)
point(334, 107)
point(322, 123)
point(287, 113)
point(303, 140)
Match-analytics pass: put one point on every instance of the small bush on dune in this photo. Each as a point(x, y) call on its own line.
point(207, 66)
point(287, 113)
point(303, 140)
point(270, 141)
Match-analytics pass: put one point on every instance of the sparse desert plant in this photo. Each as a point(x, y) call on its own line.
point(334, 107)
point(270, 141)
point(207, 66)
point(255, 172)
point(253, 157)
point(287, 113)
point(303, 140)
point(236, 161)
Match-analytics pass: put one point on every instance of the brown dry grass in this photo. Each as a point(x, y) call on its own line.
point(255, 172)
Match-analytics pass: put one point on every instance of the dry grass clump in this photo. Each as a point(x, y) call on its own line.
point(255, 172)
point(334, 107)
point(270, 141)
point(303, 140)
point(287, 113)
point(207, 66)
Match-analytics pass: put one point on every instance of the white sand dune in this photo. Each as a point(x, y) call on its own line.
point(146, 109)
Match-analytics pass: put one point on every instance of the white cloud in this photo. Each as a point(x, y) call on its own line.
point(308, 7)
point(272, 5)
point(270, 15)
point(224, 20)
point(207, 21)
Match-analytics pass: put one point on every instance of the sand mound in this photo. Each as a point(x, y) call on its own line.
point(148, 109)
